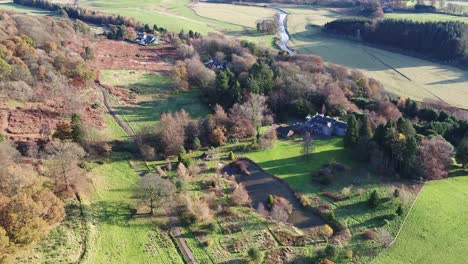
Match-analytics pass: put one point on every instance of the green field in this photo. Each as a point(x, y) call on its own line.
point(8, 5)
point(118, 235)
point(423, 17)
point(235, 14)
point(400, 74)
point(436, 229)
point(155, 96)
point(176, 15)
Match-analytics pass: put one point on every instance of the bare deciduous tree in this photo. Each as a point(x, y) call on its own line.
point(307, 144)
point(435, 157)
point(155, 190)
point(240, 196)
point(63, 162)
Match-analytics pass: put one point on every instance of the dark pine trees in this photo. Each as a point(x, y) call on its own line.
point(352, 132)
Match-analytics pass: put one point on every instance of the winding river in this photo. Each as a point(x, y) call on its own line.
point(284, 36)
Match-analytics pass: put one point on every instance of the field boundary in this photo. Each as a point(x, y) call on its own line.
point(402, 224)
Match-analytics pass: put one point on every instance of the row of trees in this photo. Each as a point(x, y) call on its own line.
point(441, 40)
point(178, 131)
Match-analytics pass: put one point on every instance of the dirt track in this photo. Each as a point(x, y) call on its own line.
point(173, 220)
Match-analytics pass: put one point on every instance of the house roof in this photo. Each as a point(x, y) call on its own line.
point(325, 120)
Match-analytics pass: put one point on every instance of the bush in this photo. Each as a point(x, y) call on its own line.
point(327, 231)
point(331, 251)
point(370, 235)
point(399, 210)
point(271, 200)
point(255, 254)
point(232, 156)
point(373, 199)
point(331, 216)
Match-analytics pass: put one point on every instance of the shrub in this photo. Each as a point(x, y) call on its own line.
point(346, 191)
point(331, 251)
point(271, 200)
point(255, 254)
point(399, 210)
point(209, 242)
point(327, 231)
point(303, 200)
point(384, 238)
point(373, 199)
point(196, 144)
point(240, 196)
point(332, 196)
point(370, 235)
point(232, 156)
point(331, 216)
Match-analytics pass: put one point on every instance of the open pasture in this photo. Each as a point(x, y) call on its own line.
point(423, 17)
point(403, 75)
point(154, 95)
point(436, 229)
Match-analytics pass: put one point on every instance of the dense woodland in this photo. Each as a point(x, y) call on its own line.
point(441, 40)
point(41, 68)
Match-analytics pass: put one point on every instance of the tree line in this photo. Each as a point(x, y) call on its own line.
point(440, 40)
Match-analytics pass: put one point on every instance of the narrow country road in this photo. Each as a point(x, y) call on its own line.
point(173, 220)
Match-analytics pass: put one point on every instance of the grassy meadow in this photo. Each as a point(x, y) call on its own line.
point(118, 235)
point(400, 74)
point(435, 230)
point(154, 96)
point(176, 15)
point(423, 17)
point(10, 6)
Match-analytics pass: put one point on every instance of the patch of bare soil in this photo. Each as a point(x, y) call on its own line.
point(286, 255)
point(31, 121)
point(122, 93)
point(121, 55)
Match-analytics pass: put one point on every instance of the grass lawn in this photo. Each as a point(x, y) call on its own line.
point(287, 162)
point(436, 229)
point(118, 235)
point(155, 97)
